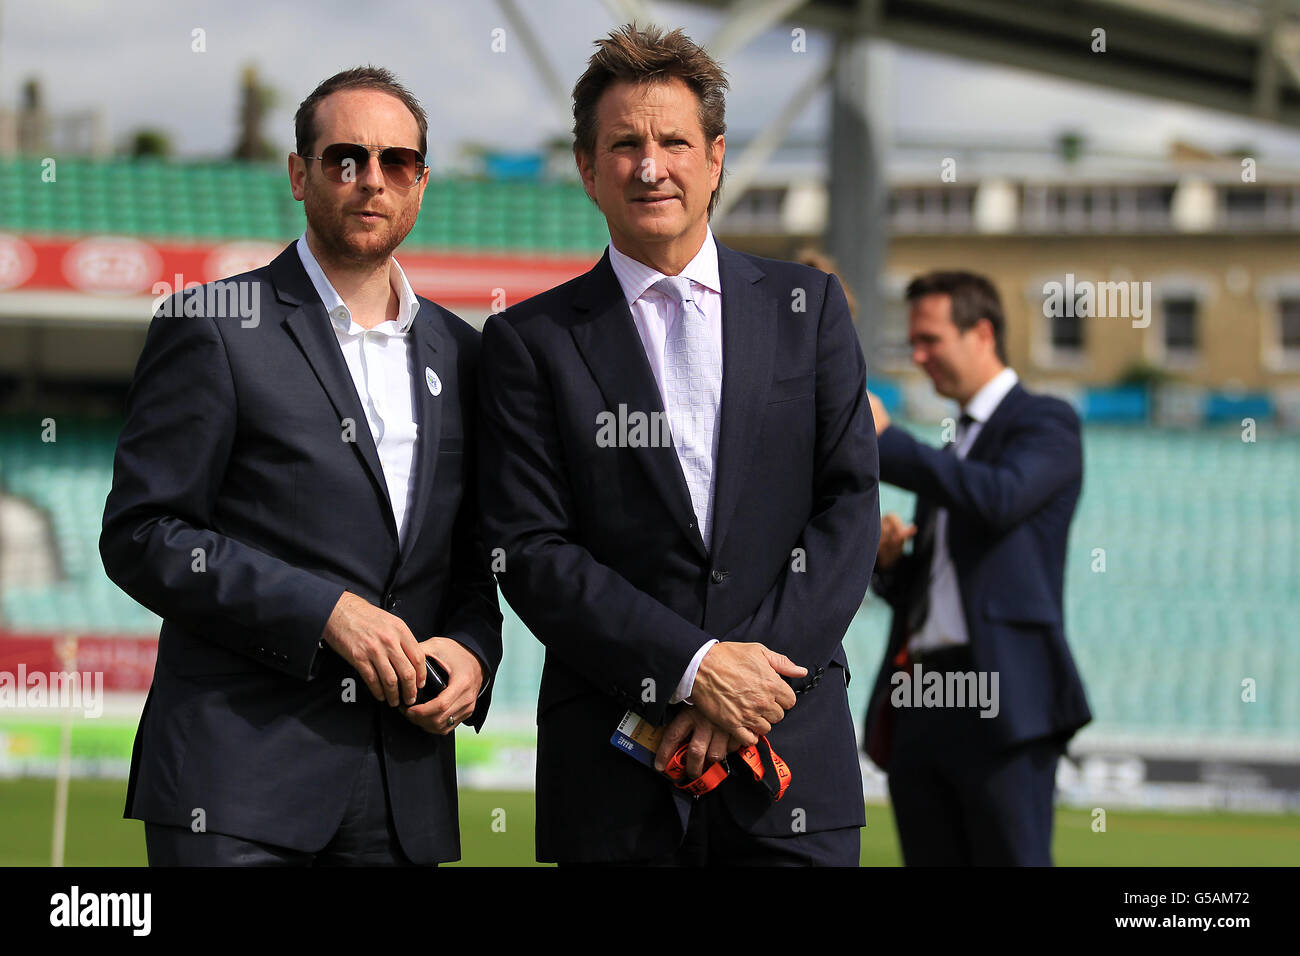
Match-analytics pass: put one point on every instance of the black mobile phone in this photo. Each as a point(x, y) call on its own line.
point(436, 683)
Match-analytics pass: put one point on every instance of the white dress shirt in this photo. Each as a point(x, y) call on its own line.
point(653, 314)
point(945, 626)
point(379, 360)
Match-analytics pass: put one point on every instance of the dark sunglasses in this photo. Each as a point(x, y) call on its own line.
point(342, 162)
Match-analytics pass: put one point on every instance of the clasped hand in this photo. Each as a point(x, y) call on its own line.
point(740, 692)
point(384, 652)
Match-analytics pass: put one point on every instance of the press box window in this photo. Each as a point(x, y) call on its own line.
point(1067, 330)
point(1288, 321)
point(1180, 324)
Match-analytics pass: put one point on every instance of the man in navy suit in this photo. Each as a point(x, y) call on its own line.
point(294, 494)
point(978, 694)
point(679, 463)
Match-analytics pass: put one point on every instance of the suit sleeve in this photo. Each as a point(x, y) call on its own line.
point(893, 585)
point(807, 611)
point(1042, 454)
point(158, 543)
point(474, 616)
point(591, 617)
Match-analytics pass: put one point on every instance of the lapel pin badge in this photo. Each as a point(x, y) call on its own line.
point(431, 379)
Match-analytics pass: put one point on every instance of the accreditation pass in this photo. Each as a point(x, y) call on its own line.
point(638, 738)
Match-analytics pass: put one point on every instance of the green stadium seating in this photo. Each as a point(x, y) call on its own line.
point(1198, 592)
point(216, 201)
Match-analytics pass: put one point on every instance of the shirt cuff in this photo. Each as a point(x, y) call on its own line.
point(687, 683)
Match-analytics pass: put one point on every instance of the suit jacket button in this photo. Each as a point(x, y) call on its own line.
point(718, 576)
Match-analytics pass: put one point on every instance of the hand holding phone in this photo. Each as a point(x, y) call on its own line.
point(435, 683)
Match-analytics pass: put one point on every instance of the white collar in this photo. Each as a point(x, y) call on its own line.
point(987, 399)
point(340, 315)
point(635, 277)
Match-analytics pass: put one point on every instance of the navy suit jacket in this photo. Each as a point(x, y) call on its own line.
point(247, 496)
point(1010, 502)
point(605, 564)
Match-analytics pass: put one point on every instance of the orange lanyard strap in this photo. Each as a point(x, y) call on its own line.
point(764, 763)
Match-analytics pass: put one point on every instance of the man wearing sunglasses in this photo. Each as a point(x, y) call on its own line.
point(294, 495)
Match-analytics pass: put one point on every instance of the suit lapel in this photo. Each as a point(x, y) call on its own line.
point(748, 342)
point(1004, 413)
point(607, 338)
point(425, 355)
point(310, 326)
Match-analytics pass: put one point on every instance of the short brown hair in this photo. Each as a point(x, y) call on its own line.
point(973, 298)
point(649, 55)
point(357, 78)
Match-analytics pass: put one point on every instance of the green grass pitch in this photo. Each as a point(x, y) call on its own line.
point(497, 830)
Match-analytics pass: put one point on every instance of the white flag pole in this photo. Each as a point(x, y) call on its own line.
point(68, 658)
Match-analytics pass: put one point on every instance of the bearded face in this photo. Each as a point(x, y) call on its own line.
point(361, 220)
point(363, 229)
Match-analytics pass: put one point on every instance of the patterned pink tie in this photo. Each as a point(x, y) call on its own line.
point(693, 390)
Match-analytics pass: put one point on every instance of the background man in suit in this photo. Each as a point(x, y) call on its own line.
point(980, 593)
point(693, 565)
point(294, 495)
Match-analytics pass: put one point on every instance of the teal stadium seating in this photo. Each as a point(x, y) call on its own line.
point(207, 201)
point(1198, 532)
point(1198, 528)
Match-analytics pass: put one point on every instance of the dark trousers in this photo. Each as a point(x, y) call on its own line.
point(713, 839)
point(961, 799)
point(365, 837)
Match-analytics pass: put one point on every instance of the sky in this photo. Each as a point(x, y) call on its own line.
point(134, 60)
